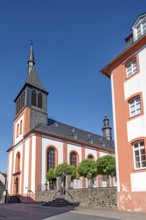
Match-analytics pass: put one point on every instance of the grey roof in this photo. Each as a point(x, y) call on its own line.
point(73, 134)
point(34, 80)
point(4, 174)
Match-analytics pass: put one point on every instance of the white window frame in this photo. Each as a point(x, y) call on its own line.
point(131, 68)
point(139, 155)
point(135, 106)
point(142, 29)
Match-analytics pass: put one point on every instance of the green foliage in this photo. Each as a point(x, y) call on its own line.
point(106, 165)
point(51, 176)
point(87, 168)
point(62, 170)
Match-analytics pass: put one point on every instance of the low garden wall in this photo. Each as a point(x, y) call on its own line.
point(97, 197)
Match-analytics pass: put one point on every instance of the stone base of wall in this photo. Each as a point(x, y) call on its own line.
point(97, 197)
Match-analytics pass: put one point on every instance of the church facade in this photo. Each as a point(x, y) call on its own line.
point(40, 143)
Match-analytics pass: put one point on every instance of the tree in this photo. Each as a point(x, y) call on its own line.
point(106, 165)
point(87, 168)
point(51, 176)
point(63, 168)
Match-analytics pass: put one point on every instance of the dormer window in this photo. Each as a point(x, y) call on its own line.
point(140, 29)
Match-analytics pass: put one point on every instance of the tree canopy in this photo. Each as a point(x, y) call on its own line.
point(63, 168)
point(87, 168)
point(106, 165)
point(51, 176)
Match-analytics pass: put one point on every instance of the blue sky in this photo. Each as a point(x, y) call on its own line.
point(73, 40)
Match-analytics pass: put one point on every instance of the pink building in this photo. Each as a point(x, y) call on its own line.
point(128, 80)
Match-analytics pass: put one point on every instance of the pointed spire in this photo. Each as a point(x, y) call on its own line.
point(31, 61)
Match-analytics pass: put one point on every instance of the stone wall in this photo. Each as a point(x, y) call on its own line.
point(97, 197)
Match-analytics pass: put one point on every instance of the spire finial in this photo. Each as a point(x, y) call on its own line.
point(31, 61)
point(31, 41)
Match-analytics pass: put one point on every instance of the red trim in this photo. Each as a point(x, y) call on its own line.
point(56, 156)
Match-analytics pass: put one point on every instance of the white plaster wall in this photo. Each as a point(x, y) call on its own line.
point(115, 135)
point(9, 171)
point(138, 182)
point(101, 154)
point(26, 166)
point(20, 136)
point(58, 144)
point(137, 126)
point(33, 164)
point(90, 151)
point(73, 147)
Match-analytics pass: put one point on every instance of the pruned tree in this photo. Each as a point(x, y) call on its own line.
point(87, 168)
point(65, 168)
point(106, 165)
point(51, 175)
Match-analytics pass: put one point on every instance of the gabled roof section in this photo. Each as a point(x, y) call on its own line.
point(74, 135)
point(33, 80)
point(138, 20)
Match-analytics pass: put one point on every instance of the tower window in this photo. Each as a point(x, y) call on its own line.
point(139, 155)
point(34, 98)
point(20, 103)
point(40, 100)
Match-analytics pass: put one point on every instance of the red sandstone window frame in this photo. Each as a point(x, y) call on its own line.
point(20, 127)
point(77, 158)
point(17, 162)
point(90, 156)
point(56, 156)
point(139, 154)
point(134, 96)
point(130, 60)
point(17, 130)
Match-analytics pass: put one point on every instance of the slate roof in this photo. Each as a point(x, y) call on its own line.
point(33, 80)
point(73, 134)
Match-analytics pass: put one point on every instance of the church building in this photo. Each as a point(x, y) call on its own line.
point(128, 81)
point(41, 143)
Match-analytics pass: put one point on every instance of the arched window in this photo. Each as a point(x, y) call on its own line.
point(73, 159)
point(17, 132)
point(21, 127)
point(90, 156)
point(33, 98)
point(17, 167)
point(50, 158)
point(40, 100)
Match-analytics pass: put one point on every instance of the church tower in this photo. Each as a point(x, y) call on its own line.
point(30, 110)
point(107, 133)
point(31, 101)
